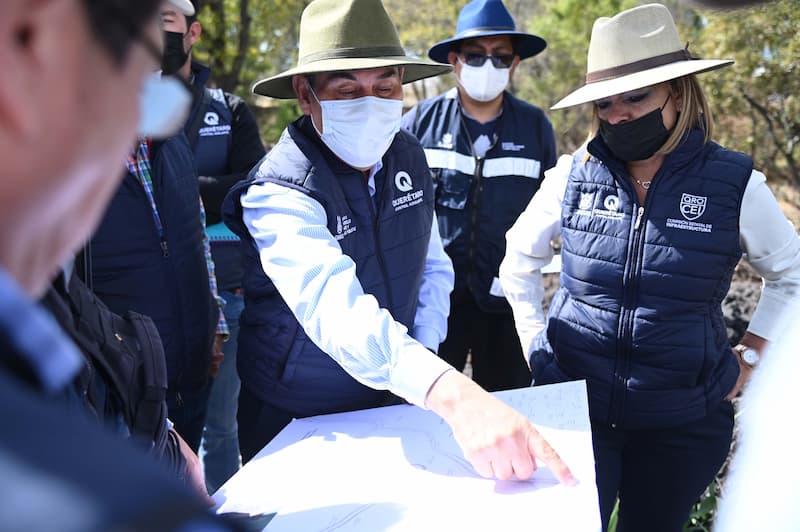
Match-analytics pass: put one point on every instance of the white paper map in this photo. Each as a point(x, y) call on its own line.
point(398, 468)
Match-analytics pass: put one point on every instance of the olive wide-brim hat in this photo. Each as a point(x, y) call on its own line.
point(634, 49)
point(339, 35)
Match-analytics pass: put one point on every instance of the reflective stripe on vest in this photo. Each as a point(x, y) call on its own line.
point(496, 167)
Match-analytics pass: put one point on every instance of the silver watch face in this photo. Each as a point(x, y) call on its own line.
point(750, 356)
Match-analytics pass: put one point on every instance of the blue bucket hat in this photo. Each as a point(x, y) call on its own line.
point(484, 18)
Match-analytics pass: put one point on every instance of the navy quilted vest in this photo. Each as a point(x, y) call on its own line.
point(388, 241)
point(131, 270)
point(638, 313)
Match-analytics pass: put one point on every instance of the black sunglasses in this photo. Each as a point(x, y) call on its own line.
point(499, 61)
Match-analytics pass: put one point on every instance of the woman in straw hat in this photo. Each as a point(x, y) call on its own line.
point(654, 217)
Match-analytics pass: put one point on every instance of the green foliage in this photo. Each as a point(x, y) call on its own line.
point(244, 40)
point(420, 24)
point(701, 518)
point(757, 100)
point(247, 40)
point(561, 68)
point(612, 520)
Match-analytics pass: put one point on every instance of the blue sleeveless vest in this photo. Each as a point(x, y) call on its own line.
point(212, 144)
point(638, 313)
point(479, 199)
point(387, 239)
point(132, 271)
point(214, 134)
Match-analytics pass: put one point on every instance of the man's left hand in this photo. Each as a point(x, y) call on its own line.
point(216, 356)
point(193, 474)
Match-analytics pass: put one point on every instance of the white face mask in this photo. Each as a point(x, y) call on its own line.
point(164, 104)
point(359, 131)
point(483, 83)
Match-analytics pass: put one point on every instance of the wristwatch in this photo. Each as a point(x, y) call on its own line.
point(748, 355)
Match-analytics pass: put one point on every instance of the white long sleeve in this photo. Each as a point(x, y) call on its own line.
point(318, 282)
point(770, 244)
point(433, 306)
point(529, 249)
point(772, 248)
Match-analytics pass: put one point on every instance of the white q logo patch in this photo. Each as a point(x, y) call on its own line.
point(403, 182)
point(211, 119)
point(611, 203)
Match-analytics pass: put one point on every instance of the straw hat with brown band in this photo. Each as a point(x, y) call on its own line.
point(634, 49)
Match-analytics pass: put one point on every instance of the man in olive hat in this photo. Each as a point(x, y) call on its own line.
point(488, 151)
point(346, 283)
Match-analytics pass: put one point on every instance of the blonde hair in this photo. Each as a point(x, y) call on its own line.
point(693, 113)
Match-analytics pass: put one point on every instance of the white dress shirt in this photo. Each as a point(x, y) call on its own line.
point(769, 241)
point(318, 282)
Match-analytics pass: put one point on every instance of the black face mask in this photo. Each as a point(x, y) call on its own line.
point(174, 54)
point(638, 139)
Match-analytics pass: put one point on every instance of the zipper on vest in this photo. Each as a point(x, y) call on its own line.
point(164, 248)
point(473, 218)
point(619, 386)
point(639, 218)
point(477, 182)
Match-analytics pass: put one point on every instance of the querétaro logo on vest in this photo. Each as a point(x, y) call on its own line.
point(213, 129)
point(404, 183)
point(691, 208)
point(610, 210)
point(211, 118)
point(344, 226)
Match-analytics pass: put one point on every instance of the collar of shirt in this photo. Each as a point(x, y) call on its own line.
point(35, 338)
point(371, 181)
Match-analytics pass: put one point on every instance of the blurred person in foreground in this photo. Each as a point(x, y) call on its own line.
point(346, 283)
point(71, 60)
point(654, 216)
point(760, 489)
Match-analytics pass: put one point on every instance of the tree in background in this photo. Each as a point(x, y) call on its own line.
point(566, 25)
point(757, 100)
point(421, 24)
point(246, 40)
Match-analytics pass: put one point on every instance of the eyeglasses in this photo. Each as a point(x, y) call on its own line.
point(477, 60)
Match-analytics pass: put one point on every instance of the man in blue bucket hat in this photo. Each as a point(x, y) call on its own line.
point(488, 152)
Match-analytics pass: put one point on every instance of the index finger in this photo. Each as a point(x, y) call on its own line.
point(539, 448)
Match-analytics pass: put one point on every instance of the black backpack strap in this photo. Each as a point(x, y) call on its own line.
point(150, 411)
point(194, 127)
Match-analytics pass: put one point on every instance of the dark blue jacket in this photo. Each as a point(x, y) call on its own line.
point(387, 239)
point(223, 133)
point(479, 199)
point(167, 278)
point(211, 137)
point(639, 310)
